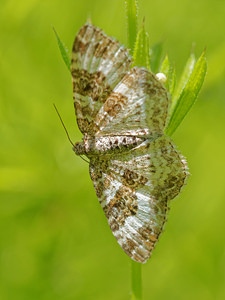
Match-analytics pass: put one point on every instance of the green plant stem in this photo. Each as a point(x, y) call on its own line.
point(136, 281)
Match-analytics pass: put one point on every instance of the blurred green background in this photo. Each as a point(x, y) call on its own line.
point(55, 242)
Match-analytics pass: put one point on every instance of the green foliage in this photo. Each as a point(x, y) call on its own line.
point(189, 87)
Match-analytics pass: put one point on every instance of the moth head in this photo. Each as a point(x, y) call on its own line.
point(79, 148)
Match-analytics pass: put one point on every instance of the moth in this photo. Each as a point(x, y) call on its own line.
point(122, 113)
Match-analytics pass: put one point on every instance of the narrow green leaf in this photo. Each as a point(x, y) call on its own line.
point(183, 80)
point(169, 71)
point(63, 50)
point(155, 56)
point(141, 51)
point(188, 95)
point(131, 14)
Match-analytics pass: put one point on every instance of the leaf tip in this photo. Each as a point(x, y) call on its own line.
point(53, 28)
point(204, 51)
point(143, 22)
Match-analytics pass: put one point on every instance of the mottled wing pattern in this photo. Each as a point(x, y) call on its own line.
point(134, 189)
point(137, 106)
point(122, 113)
point(97, 66)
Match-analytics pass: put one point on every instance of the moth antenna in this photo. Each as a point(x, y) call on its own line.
point(63, 124)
